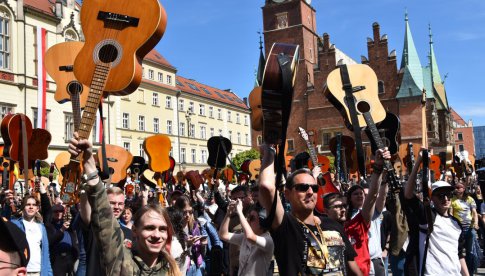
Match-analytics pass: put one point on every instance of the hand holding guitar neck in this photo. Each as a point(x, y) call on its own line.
point(83, 146)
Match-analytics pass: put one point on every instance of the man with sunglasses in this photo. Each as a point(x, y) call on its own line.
point(304, 243)
point(442, 254)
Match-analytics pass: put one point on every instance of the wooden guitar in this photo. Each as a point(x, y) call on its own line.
point(16, 133)
point(137, 167)
point(256, 111)
point(363, 78)
point(388, 130)
point(254, 169)
point(118, 36)
point(219, 148)
point(39, 144)
point(59, 64)
point(158, 148)
point(119, 159)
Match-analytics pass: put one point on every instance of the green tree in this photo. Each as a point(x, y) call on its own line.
point(248, 154)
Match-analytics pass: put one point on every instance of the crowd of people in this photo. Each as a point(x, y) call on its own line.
point(245, 229)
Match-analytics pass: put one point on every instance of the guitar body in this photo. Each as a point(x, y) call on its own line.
point(119, 32)
point(158, 148)
point(137, 165)
point(217, 155)
point(325, 188)
point(228, 174)
point(119, 160)
point(39, 144)
point(195, 179)
point(168, 174)
point(360, 75)
point(245, 166)
point(256, 111)
point(348, 144)
point(59, 61)
point(323, 162)
point(274, 99)
point(254, 169)
point(435, 166)
point(388, 129)
point(13, 147)
point(150, 178)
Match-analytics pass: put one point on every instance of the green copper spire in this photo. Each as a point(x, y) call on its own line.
point(412, 82)
point(435, 78)
point(434, 66)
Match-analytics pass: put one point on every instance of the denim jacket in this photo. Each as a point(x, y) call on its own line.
point(46, 269)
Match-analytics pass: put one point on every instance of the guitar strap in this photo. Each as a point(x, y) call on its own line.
point(25, 153)
point(350, 101)
point(104, 174)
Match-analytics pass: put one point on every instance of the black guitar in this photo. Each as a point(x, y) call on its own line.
point(219, 148)
point(388, 130)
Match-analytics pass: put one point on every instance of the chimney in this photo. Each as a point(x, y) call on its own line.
point(376, 28)
point(245, 100)
point(326, 41)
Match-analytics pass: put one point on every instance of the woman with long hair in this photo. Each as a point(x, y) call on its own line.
point(179, 247)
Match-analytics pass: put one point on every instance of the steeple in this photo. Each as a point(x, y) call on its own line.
point(434, 66)
point(261, 64)
point(435, 78)
point(410, 56)
point(412, 81)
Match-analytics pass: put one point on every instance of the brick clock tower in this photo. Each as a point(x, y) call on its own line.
point(294, 22)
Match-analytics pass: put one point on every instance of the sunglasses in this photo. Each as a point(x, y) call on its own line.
point(442, 195)
point(303, 187)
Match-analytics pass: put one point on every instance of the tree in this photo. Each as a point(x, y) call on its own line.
point(242, 156)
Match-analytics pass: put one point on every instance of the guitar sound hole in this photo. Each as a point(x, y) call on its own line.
point(363, 107)
point(108, 53)
point(74, 87)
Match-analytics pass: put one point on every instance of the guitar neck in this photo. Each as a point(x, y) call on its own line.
point(376, 137)
point(76, 109)
point(313, 154)
point(95, 93)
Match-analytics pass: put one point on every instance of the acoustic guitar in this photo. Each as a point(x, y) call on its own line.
point(59, 64)
point(118, 35)
point(158, 148)
point(39, 144)
point(219, 148)
point(256, 111)
point(16, 133)
point(119, 159)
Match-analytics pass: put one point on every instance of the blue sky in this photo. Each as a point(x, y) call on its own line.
point(216, 42)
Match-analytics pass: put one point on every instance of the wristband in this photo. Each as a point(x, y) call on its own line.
point(90, 176)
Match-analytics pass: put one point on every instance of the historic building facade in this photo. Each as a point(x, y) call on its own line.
point(400, 88)
point(187, 111)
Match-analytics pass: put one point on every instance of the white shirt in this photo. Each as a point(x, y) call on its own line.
point(254, 259)
point(33, 232)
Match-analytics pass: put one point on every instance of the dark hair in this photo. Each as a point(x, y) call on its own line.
point(177, 217)
point(240, 188)
point(261, 215)
point(291, 178)
point(26, 198)
point(349, 201)
point(329, 198)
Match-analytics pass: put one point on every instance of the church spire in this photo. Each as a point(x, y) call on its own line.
point(410, 56)
point(433, 64)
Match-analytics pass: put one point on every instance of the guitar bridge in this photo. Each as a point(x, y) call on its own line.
point(115, 18)
point(66, 68)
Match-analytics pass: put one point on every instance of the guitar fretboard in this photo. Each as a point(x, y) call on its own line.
point(76, 109)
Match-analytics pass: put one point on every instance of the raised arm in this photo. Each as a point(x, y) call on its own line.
point(267, 186)
point(375, 181)
point(411, 184)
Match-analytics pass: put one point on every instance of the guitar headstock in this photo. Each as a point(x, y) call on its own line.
point(303, 133)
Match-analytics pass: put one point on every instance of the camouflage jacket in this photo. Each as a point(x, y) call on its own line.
point(116, 259)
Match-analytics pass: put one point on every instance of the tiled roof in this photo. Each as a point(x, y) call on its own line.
point(42, 6)
point(155, 56)
point(202, 90)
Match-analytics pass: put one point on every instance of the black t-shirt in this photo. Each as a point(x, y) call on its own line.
point(296, 250)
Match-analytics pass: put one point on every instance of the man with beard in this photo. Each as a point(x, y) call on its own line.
point(304, 243)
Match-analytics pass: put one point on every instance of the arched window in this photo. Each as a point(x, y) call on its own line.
point(5, 19)
point(380, 87)
point(70, 35)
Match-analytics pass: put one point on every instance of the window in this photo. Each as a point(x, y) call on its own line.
point(291, 145)
point(212, 131)
point(229, 116)
point(461, 148)
point(246, 120)
point(34, 118)
point(160, 77)
point(191, 107)
point(220, 132)
point(460, 136)
point(238, 137)
point(5, 109)
point(202, 110)
point(380, 87)
point(169, 79)
point(168, 102)
point(126, 146)
point(155, 99)
point(203, 156)
point(211, 112)
point(247, 139)
point(141, 123)
point(141, 96)
point(68, 127)
point(237, 119)
point(141, 151)
point(260, 140)
point(182, 155)
point(192, 130)
point(169, 127)
point(202, 132)
point(192, 154)
point(181, 128)
point(156, 125)
point(150, 74)
point(181, 105)
point(126, 120)
point(219, 114)
point(4, 39)
point(230, 135)
point(326, 139)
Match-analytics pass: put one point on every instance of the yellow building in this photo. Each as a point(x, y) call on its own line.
point(186, 110)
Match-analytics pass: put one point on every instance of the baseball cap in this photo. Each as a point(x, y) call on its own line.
point(441, 185)
point(15, 238)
